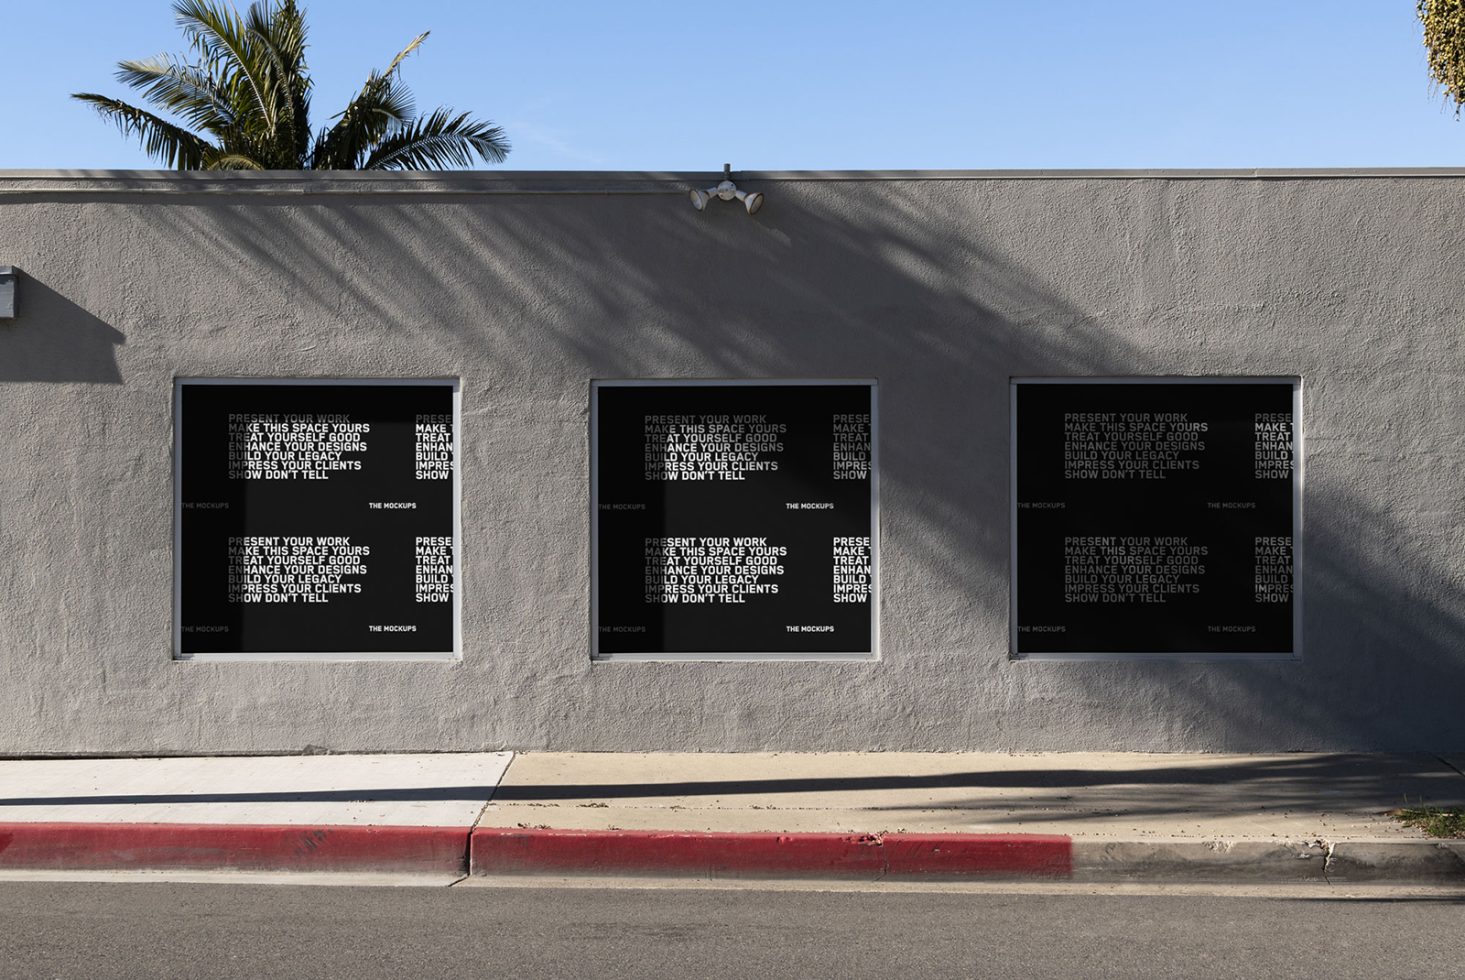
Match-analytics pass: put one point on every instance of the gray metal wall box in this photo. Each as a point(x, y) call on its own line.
point(7, 292)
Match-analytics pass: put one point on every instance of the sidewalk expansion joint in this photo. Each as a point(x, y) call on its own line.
point(488, 800)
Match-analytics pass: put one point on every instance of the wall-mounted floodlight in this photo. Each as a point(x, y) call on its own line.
point(727, 191)
point(7, 292)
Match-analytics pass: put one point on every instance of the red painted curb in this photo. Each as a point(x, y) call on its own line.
point(495, 850)
point(123, 846)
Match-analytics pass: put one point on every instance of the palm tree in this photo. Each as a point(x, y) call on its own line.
point(243, 98)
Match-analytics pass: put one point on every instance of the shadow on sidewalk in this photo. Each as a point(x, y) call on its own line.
point(1335, 781)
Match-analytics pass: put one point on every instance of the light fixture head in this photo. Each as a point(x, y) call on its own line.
point(726, 190)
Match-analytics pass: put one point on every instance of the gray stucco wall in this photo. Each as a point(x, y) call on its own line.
point(527, 286)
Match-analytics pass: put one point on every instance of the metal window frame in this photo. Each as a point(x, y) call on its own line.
point(597, 657)
point(455, 655)
point(1299, 457)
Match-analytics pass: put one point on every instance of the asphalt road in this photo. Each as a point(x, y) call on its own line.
point(166, 930)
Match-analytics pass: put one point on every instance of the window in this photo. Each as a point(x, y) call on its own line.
point(734, 520)
point(316, 520)
point(1155, 517)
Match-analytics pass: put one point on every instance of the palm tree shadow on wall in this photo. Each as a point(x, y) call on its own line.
point(543, 294)
point(55, 340)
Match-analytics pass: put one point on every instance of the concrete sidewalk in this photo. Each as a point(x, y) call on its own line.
point(1101, 816)
point(1103, 796)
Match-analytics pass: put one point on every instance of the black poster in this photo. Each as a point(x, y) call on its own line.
point(1154, 517)
point(734, 518)
point(316, 518)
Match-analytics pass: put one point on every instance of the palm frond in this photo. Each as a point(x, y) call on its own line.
point(382, 103)
point(281, 36)
point(438, 141)
point(233, 161)
point(218, 34)
point(182, 89)
point(413, 45)
point(241, 100)
point(175, 146)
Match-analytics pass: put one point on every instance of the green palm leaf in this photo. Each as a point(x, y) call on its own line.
point(233, 161)
point(173, 145)
point(280, 36)
point(438, 141)
point(381, 104)
point(241, 100)
point(184, 90)
point(219, 35)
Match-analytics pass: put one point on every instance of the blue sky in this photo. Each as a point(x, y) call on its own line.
point(766, 85)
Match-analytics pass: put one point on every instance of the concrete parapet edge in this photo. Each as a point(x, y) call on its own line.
point(609, 182)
